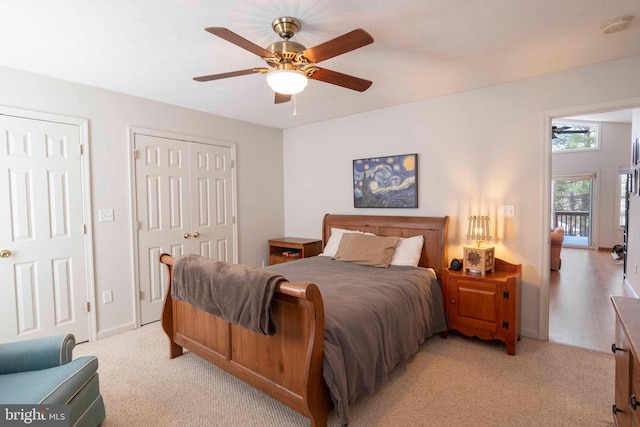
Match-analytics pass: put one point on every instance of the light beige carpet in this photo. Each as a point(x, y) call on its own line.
point(459, 381)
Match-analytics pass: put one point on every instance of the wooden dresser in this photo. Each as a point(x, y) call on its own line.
point(285, 249)
point(486, 306)
point(626, 409)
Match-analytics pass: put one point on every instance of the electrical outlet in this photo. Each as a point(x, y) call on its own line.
point(509, 211)
point(105, 215)
point(107, 297)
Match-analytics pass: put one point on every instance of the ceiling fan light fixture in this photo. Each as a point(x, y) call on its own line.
point(287, 82)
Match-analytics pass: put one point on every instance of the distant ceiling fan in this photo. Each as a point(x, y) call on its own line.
point(555, 131)
point(291, 65)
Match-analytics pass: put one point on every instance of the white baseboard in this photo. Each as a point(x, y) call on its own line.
point(629, 288)
point(530, 333)
point(116, 330)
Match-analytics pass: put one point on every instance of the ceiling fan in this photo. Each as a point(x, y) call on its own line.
point(291, 65)
point(555, 131)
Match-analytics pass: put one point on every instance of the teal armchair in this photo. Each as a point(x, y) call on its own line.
point(42, 371)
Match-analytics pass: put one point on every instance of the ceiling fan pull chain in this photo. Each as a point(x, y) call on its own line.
point(295, 106)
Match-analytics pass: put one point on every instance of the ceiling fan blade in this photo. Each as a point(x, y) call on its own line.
point(340, 79)
point(232, 37)
point(226, 75)
point(574, 131)
point(342, 44)
point(281, 97)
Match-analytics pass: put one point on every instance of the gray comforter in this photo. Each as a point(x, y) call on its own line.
point(375, 318)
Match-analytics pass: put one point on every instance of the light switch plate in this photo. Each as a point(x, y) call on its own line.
point(105, 215)
point(107, 297)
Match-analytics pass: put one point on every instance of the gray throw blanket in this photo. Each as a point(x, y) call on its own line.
point(238, 294)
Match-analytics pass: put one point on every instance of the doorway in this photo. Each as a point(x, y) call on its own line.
point(572, 208)
point(587, 190)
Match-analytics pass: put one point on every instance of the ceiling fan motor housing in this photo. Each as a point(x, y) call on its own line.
point(286, 26)
point(286, 50)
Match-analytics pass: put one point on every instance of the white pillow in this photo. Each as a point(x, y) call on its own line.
point(408, 251)
point(334, 240)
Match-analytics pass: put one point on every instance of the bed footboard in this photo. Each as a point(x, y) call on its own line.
point(287, 366)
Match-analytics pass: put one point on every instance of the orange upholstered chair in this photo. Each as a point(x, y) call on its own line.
point(557, 237)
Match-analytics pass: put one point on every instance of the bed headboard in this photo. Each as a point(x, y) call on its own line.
point(434, 230)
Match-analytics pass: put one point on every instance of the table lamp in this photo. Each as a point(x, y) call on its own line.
point(478, 258)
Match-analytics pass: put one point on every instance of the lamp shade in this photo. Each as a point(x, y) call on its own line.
point(478, 228)
point(287, 82)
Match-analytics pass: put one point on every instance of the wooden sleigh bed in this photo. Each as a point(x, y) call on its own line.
point(288, 366)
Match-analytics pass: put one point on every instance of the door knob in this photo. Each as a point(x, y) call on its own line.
point(186, 235)
point(196, 234)
point(5, 253)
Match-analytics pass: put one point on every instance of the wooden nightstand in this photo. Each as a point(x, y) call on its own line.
point(298, 248)
point(485, 306)
point(625, 348)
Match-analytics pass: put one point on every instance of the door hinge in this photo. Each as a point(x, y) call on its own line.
point(84, 228)
point(141, 295)
point(139, 225)
point(505, 325)
point(88, 307)
point(233, 164)
point(505, 294)
point(81, 149)
point(233, 220)
point(136, 153)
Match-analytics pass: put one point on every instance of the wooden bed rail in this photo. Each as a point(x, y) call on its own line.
point(287, 366)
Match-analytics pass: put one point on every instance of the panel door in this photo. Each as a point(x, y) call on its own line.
point(184, 201)
point(211, 202)
point(162, 200)
point(43, 273)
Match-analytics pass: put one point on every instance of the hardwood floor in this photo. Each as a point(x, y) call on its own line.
point(580, 312)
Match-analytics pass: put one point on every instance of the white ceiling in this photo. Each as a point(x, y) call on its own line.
point(618, 116)
point(422, 48)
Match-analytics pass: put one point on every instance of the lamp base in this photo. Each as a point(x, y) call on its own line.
point(478, 259)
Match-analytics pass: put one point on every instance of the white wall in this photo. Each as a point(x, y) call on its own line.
point(259, 173)
point(633, 243)
point(615, 140)
point(478, 150)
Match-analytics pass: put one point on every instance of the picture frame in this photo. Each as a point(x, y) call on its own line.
point(386, 182)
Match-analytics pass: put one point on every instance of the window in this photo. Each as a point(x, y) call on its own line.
point(574, 136)
point(621, 190)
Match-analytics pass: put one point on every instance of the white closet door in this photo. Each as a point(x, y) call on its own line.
point(43, 288)
point(212, 203)
point(184, 201)
point(162, 199)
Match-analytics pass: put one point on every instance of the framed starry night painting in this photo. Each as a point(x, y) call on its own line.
point(386, 182)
